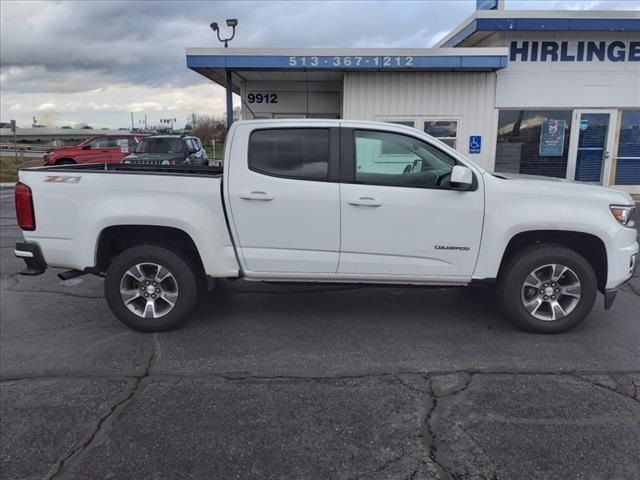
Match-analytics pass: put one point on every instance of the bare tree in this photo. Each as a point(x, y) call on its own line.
point(206, 128)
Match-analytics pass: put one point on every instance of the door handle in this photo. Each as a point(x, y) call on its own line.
point(257, 195)
point(365, 202)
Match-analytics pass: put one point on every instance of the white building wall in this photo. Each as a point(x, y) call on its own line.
point(549, 84)
point(468, 97)
point(290, 99)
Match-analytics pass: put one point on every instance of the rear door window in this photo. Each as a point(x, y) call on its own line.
point(299, 153)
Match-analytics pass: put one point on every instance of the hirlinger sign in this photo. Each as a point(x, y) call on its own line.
point(582, 51)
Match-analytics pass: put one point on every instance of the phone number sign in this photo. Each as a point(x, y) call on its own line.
point(347, 62)
point(353, 61)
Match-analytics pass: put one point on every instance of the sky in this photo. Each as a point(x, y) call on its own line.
point(95, 62)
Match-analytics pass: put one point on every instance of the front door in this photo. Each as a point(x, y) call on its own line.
point(97, 152)
point(592, 138)
point(400, 216)
point(285, 211)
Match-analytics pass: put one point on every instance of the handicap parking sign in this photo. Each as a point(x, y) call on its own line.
point(475, 143)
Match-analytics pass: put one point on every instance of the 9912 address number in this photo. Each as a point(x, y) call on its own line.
point(262, 98)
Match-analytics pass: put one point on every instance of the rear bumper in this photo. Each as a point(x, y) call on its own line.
point(32, 256)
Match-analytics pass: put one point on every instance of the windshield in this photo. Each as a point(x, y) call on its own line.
point(159, 145)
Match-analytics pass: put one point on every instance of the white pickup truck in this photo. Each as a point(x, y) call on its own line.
point(328, 201)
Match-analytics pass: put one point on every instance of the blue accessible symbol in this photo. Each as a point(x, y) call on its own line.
point(475, 143)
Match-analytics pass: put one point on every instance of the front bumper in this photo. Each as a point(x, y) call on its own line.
point(32, 256)
point(629, 272)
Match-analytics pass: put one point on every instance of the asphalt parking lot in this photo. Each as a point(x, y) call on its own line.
point(310, 383)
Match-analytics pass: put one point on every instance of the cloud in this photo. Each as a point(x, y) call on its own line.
point(43, 107)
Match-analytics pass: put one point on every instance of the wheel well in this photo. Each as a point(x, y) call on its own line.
point(66, 159)
point(587, 245)
point(115, 240)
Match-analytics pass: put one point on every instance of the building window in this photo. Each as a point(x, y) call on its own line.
point(301, 153)
point(444, 130)
point(533, 142)
point(406, 123)
point(627, 160)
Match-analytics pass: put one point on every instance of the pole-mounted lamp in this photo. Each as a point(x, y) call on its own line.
point(231, 22)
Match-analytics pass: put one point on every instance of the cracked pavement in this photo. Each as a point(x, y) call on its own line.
point(310, 383)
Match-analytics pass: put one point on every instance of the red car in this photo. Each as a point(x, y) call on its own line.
point(98, 149)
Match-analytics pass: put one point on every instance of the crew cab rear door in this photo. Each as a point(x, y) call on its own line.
point(283, 197)
point(400, 216)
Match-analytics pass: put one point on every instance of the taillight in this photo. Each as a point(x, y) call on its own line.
point(24, 207)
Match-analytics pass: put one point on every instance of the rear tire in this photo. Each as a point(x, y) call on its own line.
point(547, 289)
point(65, 162)
point(150, 288)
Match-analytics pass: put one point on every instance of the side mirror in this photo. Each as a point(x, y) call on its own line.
point(461, 178)
point(87, 147)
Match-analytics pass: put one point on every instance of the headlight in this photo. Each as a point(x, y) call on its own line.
point(625, 214)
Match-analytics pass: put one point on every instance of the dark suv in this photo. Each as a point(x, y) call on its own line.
point(168, 150)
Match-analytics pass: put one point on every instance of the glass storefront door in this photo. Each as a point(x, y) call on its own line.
point(591, 146)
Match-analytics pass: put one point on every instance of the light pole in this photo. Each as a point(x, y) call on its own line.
point(231, 22)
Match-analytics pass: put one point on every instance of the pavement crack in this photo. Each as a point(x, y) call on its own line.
point(430, 438)
point(248, 376)
point(590, 381)
point(413, 388)
point(53, 292)
point(448, 385)
point(74, 455)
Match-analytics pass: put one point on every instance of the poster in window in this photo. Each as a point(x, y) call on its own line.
point(552, 137)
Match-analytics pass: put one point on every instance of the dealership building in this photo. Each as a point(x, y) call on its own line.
point(554, 93)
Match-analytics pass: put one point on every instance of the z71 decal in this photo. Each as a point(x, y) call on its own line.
point(62, 179)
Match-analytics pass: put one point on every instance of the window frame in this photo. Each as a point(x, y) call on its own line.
point(333, 166)
point(348, 160)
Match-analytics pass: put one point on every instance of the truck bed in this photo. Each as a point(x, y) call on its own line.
point(75, 204)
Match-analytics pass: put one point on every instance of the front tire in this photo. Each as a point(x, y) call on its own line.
point(547, 289)
point(150, 288)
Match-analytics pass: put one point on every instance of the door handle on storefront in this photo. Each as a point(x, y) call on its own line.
point(365, 202)
point(257, 195)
